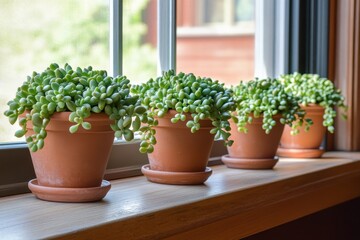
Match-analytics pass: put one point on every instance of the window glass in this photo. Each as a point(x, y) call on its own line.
point(244, 10)
point(139, 39)
point(38, 32)
point(213, 12)
point(216, 39)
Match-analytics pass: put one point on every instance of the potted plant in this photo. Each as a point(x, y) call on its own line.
point(69, 117)
point(262, 109)
point(318, 97)
point(185, 113)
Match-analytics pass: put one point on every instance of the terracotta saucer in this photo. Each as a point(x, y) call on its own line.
point(73, 195)
point(299, 153)
point(177, 178)
point(249, 163)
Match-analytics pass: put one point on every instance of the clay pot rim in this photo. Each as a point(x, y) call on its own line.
point(204, 124)
point(180, 125)
point(258, 120)
point(94, 117)
point(313, 108)
point(59, 116)
point(100, 123)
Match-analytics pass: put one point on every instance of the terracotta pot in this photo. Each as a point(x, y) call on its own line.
point(70, 161)
point(180, 151)
point(255, 149)
point(305, 144)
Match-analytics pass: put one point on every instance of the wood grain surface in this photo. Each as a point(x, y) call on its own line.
point(232, 204)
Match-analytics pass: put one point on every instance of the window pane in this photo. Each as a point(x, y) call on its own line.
point(139, 39)
point(223, 51)
point(38, 32)
point(213, 11)
point(244, 10)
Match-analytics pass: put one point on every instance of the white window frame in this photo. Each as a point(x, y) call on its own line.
point(231, 27)
point(271, 37)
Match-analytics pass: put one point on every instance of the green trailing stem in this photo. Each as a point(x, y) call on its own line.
point(312, 89)
point(81, 92)
point(203, 98)
point(265, 98)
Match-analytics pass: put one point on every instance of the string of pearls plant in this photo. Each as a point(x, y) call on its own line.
point(203, 98)
point(82, 92)
point(266, 98)
point(312, 89)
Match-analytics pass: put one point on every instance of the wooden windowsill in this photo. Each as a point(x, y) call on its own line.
point(232, 204)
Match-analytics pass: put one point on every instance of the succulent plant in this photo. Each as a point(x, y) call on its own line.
point(312, 89)
point(265, 98)
point(80, 91)
point(201, 97)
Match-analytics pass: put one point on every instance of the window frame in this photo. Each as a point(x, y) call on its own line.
point(228, 17)
point(125, 160)
point(227, 27)
point(116, 29)
point(271, 38)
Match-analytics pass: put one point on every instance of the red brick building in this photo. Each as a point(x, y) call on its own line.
point(214, 38)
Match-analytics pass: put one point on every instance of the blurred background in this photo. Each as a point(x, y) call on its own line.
point(215, 38)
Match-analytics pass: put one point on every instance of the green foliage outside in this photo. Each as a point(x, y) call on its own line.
point(38, 32)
